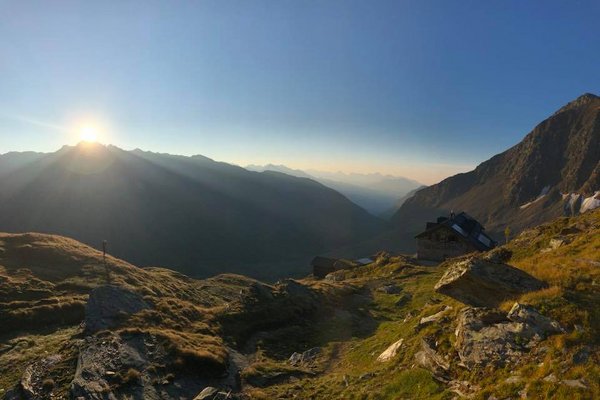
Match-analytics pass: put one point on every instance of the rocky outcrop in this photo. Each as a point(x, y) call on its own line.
point(108, 305)
point(103, 360)
point(480, 282)
point(489, 337)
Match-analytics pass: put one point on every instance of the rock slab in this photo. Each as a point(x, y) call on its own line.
point(480, 282)
point(108, 305)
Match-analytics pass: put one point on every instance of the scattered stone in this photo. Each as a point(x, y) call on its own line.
point(31, 383)
point(390, 289)
point(391, 351)
point(336, 276)
point(482, 283)
point(550, 378)
point(574, 383)
point(539, 323)
point(304, 358)
point(208, 393)
point(108, 305)
point(557, 242)
point(404, 299)
point(464, 389)
point(429, 359)
point(366, 376)
point(581, 356)
point(434, 318)
point(513, 379)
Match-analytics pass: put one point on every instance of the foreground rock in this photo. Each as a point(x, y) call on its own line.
point(481, 282)
point(489, 337)
point(109, 305)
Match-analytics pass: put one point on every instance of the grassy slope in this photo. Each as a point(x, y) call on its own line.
point(350, 319)
point(573, 298)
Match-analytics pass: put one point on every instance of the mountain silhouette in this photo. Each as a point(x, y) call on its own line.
point(191, 213)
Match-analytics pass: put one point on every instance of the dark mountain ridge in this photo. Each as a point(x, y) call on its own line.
point(193, 213)
point(528, 183)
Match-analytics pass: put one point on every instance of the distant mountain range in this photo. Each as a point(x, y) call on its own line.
point(377, 193)
point(191, 213)
point(554, 171)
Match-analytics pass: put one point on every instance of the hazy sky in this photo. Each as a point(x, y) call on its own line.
point(418, 88)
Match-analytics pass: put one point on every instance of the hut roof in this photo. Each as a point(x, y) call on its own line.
point(467, 227)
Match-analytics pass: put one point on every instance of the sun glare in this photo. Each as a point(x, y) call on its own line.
point(88, 133)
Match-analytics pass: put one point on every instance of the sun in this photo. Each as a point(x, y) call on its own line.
point(88, 133)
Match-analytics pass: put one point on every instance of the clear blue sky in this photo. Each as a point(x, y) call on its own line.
point(421, 88)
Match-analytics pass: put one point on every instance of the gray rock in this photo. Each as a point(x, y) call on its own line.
point(435, 317)
point(559, 241)
point(464, 389)
point(31, 383)
point(581, 356)
point(366, 376)
point(482, 283)
point(574, 383)
point(489, 337)
point(404, 299)
point(533, 320)
point(428, 358)
point(498, 255)
point(304, 358)
point(389, 289)
point(109, 305)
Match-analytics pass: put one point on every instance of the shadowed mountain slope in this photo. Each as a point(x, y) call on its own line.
point(550, 172)
point(378, 194)
point(192, 213)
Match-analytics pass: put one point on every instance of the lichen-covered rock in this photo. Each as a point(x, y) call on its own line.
point(489, 337)
point(538, 323)
point(108, 305)
point(481, 283)
point(486, 336)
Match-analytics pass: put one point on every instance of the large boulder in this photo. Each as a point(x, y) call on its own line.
point(109, 305)
point(480, 282)
point(490, 337)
